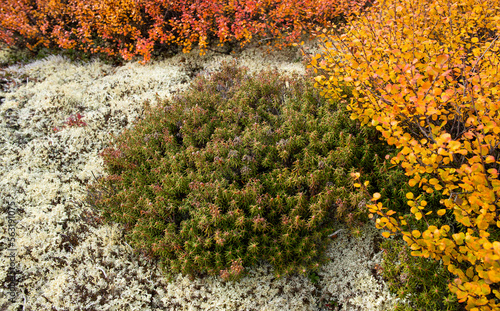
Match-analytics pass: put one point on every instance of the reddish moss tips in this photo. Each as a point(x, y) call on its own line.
point(239, 169)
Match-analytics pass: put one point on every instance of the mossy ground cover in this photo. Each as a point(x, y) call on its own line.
point(70, 259)
point(240, 168)
point(66, 242)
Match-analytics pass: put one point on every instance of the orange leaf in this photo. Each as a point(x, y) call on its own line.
point(441, 59)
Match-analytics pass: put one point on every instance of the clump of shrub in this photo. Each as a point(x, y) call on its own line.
point(239, 169)
point(129, 28)
point(425, 75)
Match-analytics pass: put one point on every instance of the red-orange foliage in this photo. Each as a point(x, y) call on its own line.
point(133, 27)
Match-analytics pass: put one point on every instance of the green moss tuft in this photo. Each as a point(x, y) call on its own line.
point(237, 170)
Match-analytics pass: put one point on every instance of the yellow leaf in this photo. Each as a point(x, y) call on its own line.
point(470, 272)
point(441, 212)
point(416, 233)
point(446, 260)
point(376, 196)
point(409, 196)
point(461, 295)
point(386, 234)
point(407, 240)
point(441, 59)
point(459, 238)
point(444, 138)
point(497, 293)
point(357, 185)
point(426, 86)
point(418, 215)
point(319, 78)
point(490, 159)
point(415, 246)
point(494, 275)
point(454, 145)
point(433, 181)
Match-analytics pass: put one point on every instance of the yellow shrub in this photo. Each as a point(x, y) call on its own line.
point(426, 74)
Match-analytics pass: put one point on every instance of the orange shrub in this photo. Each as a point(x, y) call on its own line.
point(97, 26)
point(134, 27)
point(426, 74)
point(242, 20)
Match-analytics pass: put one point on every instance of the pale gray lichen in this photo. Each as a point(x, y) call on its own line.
point(350, 278)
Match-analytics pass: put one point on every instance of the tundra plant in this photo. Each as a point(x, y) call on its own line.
point(128, 28)
point(426, 75)
point(238, 170)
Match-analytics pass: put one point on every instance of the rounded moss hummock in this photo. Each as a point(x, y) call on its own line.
point(239, 169)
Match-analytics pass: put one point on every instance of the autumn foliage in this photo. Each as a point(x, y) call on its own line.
point(426, 74)
point(129, 28)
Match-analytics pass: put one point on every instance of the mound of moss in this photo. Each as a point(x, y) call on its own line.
point(237, 170)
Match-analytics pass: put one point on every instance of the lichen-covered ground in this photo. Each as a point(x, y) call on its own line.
point(68, 260)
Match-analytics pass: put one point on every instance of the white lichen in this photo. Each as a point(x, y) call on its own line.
point(350, 277)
